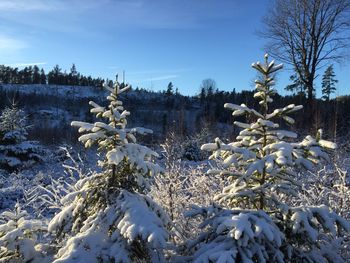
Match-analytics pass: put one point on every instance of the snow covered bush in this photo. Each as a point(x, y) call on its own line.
point(191, 146)
point(236, 236)
point(181, 185)
point(255, 224)
point(45, 197)
point(18, 237)
point(15, 150)
point(177, 190)
point(330, 186)
point(109, 217)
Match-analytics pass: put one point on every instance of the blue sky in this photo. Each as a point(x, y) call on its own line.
point(154, 41)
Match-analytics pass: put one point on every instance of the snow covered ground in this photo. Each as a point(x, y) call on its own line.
point(14, 186)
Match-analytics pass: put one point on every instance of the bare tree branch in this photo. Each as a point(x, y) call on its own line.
point(308, 34)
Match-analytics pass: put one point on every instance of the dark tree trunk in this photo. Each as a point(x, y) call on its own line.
point(309, 116)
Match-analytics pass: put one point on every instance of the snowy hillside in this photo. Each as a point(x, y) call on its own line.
point(56, 106)
point(63, 92)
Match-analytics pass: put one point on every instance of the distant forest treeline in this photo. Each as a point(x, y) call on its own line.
point(168, 110)
point(164, 108)
point(332, 116)
point(35, 75)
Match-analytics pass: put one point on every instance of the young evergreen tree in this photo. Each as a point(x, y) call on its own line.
point(328, 83)
point(255, 222)
point(18, 237)
point(16, 151)
point(108, 218)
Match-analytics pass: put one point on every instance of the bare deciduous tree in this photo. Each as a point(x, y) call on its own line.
point(307, 34)
point(208, 86)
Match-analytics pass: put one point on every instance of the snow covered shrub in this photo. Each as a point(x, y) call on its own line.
point(254, 223)
point(108, 218)
point(46, 196)
point(18, 237)
point(191, 146)
point(330, 186)
point(192, 150)
point(15, 151)
point(180, 186)
point(168, 185)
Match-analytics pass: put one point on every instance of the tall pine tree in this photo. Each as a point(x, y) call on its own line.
point(36, 75)
point(328, 83)
point(73, 76)
point(42, 76)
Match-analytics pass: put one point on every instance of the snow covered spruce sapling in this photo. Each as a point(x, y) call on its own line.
point(254, 222)
point(109, 218)
point(15, 151)
point(18, 237)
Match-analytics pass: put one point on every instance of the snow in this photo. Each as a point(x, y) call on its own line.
point(139, 221)
point(241, 109)
point(133, 217)
point(270, 68)
point(238, 235)
point(281, 134)
point(246, 203)
point(137, 156)
point(18, 235)
point(57, 90)
point(303, 219)
point(327, 144)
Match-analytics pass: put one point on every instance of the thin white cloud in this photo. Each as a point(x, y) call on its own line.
point(158, 14)
point(39, 15)
point(49, 5)
point(148, 72)
point(11, 44)
point(29, 5)
point(162, 78)
point(150, 75)
point(132, 14)
point(19, 65)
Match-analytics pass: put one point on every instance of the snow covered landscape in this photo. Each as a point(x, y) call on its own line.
point(265, 197)
point(143, 167)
